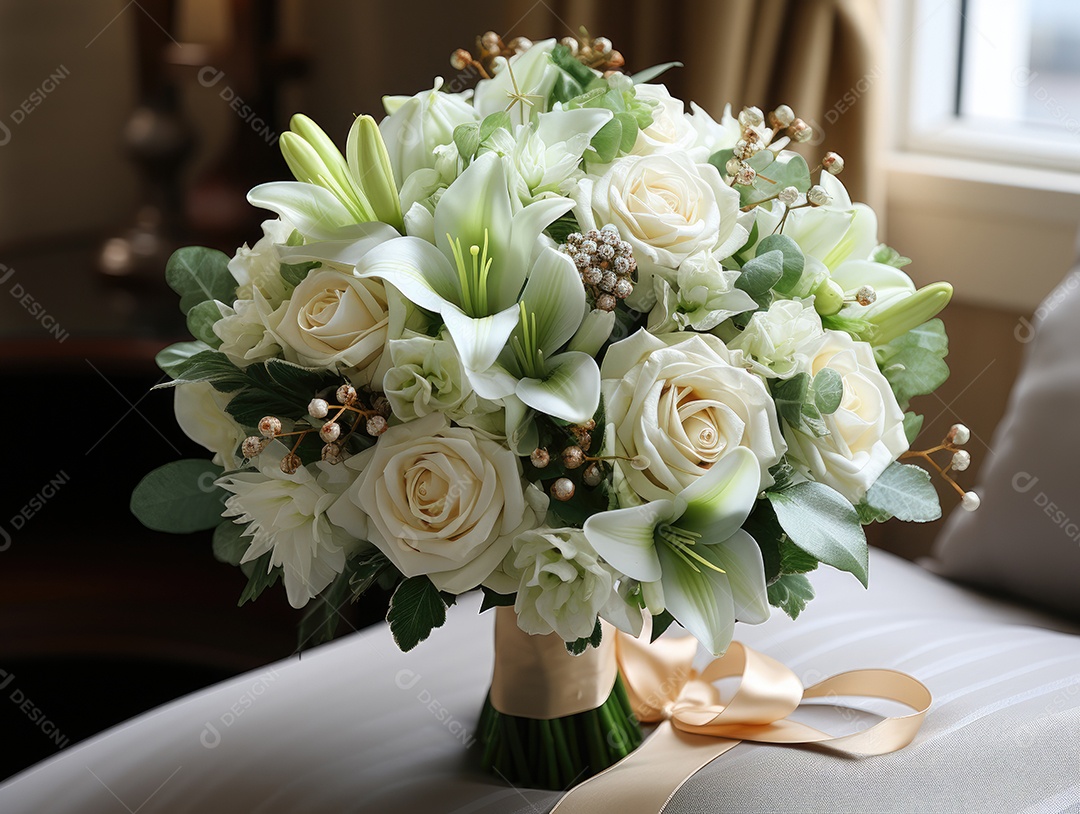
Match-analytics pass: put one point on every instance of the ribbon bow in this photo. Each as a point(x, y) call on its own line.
point(696, 726)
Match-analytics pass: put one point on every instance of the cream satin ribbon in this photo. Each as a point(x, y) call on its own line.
point(696, 727)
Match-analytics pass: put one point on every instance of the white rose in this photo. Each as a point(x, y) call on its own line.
point(415, 125)
point(334, 318)
point(677, 401)
point(667, 208)
point(245, 330)
point(671, 131)
point(438, 500)
point(775, 340)
point(200, 412)
point(866, 433)
point(259, 266)
point(287, 516)
point(427, 377)
point(562, 586)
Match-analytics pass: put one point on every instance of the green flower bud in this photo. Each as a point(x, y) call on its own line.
point(323, 146)
point(313, 159)
point(828, 298)
point(908, 313)
point(369, 164)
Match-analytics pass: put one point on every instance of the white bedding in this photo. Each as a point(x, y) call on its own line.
point(359, 726)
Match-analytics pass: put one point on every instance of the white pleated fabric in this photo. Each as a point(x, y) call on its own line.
point(359, 726)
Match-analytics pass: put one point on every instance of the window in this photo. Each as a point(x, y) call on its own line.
point(995, 80)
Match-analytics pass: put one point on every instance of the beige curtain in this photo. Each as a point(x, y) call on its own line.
point(819, 56)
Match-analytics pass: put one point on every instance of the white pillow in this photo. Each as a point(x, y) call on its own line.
point(1024, 540)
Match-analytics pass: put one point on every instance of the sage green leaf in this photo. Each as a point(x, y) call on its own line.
point(260, 577)
point(791, 593)
point(787, 170)
point(416, 608)
point(906, 492)
point(607, 141)
point(173, 358)
point(649, 74)
point(230, 544)
point(199, 274)
point(914, 363)
point(467, 139)
point(294, 273)
point(790, 394)
point(500, 120)
point(821, 522)
point(889, 256)
point(828, 390)
point(180, 497)
point(793, 264)
point(200, 321)
point(761, 273)
point(912, 426)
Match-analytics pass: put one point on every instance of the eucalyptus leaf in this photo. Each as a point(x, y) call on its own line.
point(607, 141)
point(467, 139)
point(905, 492)
point(200, 321)
point(180, 497)
point(500, 120)
point(793, 264)
point(199, 274)
point(912, 426)
point(629, 131)
point(761, 273)
point(828, 390)
point(822, 522)
point(790, 394)
point(914, 363)
point(787, 170)
point(889, 256)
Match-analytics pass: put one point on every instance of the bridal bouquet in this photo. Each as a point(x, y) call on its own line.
point(558, 339)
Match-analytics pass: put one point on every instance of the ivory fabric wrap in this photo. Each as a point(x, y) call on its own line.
point(695, 726)
point(534, 676)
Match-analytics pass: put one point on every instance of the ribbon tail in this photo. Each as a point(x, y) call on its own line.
point(645, 780)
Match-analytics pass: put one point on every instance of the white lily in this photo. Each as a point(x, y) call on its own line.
point(547, 152)
point(691, 554)
point(416, 125)
point(890, 284)
point(836, 232)
point(522, 90)
point(474, 278)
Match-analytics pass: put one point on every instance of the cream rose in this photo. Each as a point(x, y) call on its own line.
point(866, 433)
point(334, 318)
point(667, 208)
point(438, 500)
point(677, 401)
point(671, 129)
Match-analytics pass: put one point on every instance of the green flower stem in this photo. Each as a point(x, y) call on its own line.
point(557, 753)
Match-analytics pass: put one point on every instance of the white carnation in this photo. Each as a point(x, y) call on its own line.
point(259, 266)
point(775, 341)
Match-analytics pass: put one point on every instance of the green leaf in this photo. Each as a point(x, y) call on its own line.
point(787, 170)
point(828, 390)
point(172, 359)
point(649, 74)
point(889, 256)
point(906, 493)
point(200, 321)
point(793, 560)
point(415, 610)
point(260, 577)
point(275, 387)
point(565, 89)
point(914, 363)
point(868, 514)
point(467, 139)
point(607, 141)
point(562, 228)
point(576, 648)
point(821, 522)
point(500, 120)
point(208, 366)
point(791, 593)
point(199, 274)
point(793, 264)
point(562, 56)
point(720, 158)
point(294, 273)
point(790, 394)
point(494, 600)
point(761, 273)
point(629, 131)
point(763, 526)
point(912, 426)
point(660, 623)
point(230, 544)
point(180, 497)
point(323, 619)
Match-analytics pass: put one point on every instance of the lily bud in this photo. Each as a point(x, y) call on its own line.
point(372, 172)
point(323, 146)
point(908, 313)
